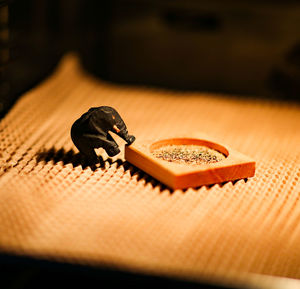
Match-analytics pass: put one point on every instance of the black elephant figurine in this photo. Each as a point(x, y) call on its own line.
point(91, 131)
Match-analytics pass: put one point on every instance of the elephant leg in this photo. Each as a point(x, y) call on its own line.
point(104, 141)
point(110, 146)
point(87, 143)
point(86, 146)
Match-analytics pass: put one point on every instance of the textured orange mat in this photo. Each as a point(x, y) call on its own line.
point(51, 207)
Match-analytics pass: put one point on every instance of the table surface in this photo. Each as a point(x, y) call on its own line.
point(51, 207)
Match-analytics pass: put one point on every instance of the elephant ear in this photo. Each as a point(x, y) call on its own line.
point(100, 122)
point(106, 113)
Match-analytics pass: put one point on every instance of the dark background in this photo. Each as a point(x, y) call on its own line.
point(246, 48)
point(241, 47)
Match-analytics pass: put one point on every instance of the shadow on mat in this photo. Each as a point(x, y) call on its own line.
point(76, 159)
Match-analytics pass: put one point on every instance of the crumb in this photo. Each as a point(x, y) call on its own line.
point(188, 154)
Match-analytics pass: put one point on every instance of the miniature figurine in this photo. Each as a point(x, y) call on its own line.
point(91, 131)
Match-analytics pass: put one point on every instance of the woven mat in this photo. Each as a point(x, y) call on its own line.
point(51, 207)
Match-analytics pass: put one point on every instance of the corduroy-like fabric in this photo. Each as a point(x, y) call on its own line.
point(53, 208)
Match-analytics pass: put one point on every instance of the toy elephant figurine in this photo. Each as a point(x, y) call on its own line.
point(91, 131)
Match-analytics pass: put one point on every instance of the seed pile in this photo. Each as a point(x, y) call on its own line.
point(188, 154)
